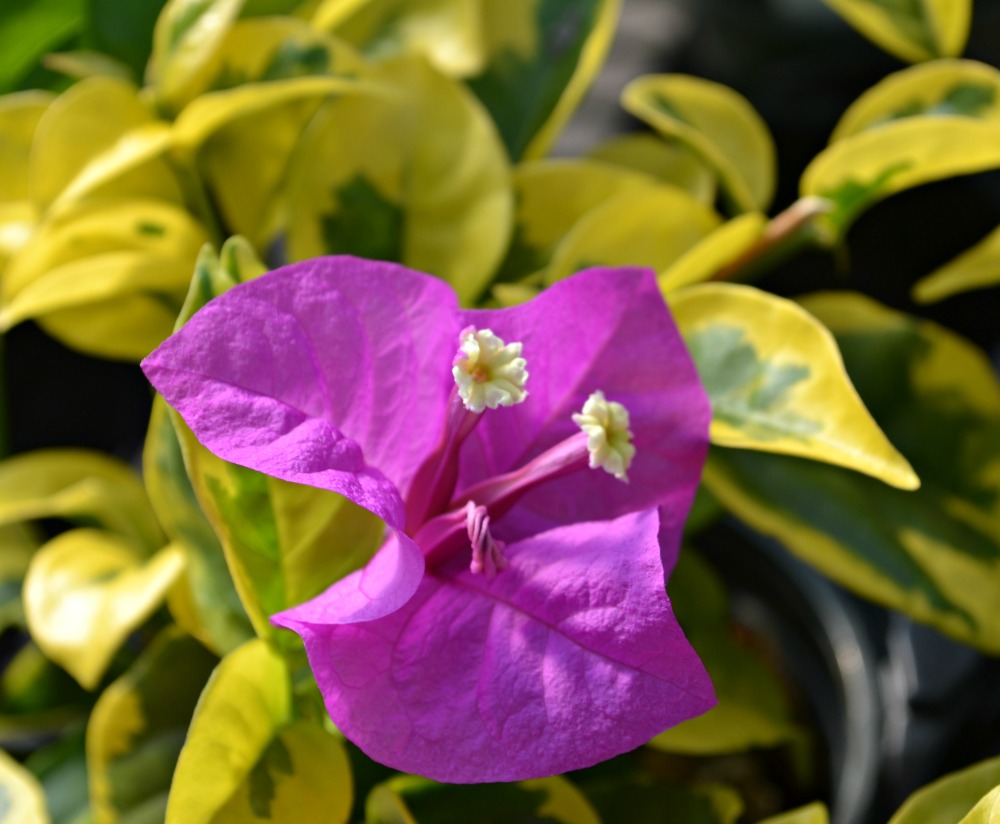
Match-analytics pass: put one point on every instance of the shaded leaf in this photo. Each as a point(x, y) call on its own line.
point(30, 28)
point(61, 767)
point(640, 800)
point(124, 30)
point(814, 813)
point(968, 796)
point(975, 268)
point(777, 381)
point(717, 124)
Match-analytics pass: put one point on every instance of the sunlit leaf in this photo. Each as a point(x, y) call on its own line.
point(654, 228)
point(19, 116)
point(723, 246)
point(777, 381)
point(30, 28)
point(667, 161)
point(264, 766)
point(420, 177)
point(753, 709)
point(86, 590)
point(137, 728)
point(408, 799)
point(21, 798)
point(81, 486)
point(449, 33)
point(975, 268)
point(941, 88)
point(858, 171)
point(814, 813)
point(542, 56)
point(912, 30)
point(969, 796)
point(716, 123)
point(934, 553)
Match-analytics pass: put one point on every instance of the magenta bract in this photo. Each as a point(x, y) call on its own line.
point(337, 373)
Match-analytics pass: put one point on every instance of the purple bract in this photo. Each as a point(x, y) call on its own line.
point(515, 623)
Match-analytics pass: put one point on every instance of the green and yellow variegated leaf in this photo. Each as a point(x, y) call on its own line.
point(18, 543)
point(667, 161)
point(975, 268)
point(80, 486)
point(264, 766)
point(963, 88)
point(716, 123)
point(912, 30)
point(449, 33)
point(722, 247)
point(815, 813)
point(858, 171)
point(203, 601)
point(542, 56)
point(654, 228)
point(970, 796)
point(87, 590)
point(753, 709)
point(420, 177)
point(551, 196)
point(777, 381)
point(934, 553)
point(186, 48)
point(86, 122)
point(410, 799)
point(21, 798)
point(137, 728)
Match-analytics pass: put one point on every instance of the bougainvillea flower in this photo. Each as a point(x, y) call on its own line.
point(534, 466)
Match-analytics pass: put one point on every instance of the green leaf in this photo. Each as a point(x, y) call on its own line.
point(933, 553)
point(753, 709)
point(716, 123)
point(409, 798)
point(21, 798)
point(30, 28)
point(264, 765)
point(204, 602)
point(941, 88)
point(124, 30)
point(975, 268)
point(81, 486)
point(542, 56)
point(643, 801)
point(969, 796)
point(138, 726)
point(87, 590)
point(18, 543)
point(421, 160)
point(912, 30)
point(777, 381)
point(61, 767)
point(815, 813)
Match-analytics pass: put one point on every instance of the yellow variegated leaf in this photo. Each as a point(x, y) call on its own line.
point(264, 766)
point(541, 58)
point(654, 228)
point(86, 591)
point(969, 796)
point(77, 485)
point(84, 122)
point(911, 31)
point(942, 87)
point(717, 250)
point(551, 196)
point(449, 33)
point(420, 177)
point(715, 122)
point(18, 543)
point(137, 728)
point(23, 801)
point(815, 813)
point(777, 381)
point(19, 116)
point(973, 269)
point(668, 162)
point(186, 48)
point(83, 63)
point(860, 170)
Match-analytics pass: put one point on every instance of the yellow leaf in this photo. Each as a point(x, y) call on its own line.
point(77, 485)
point(969, 796)
point(86, 591)
point(973, 269)
point(19, 116)
point(420, 177)
point(723, 246)
point(910, 31)
point(777, 381)
point(564, 802)
point(23, 799)
point(815, 813)
point(942, 87)
point(716, 123)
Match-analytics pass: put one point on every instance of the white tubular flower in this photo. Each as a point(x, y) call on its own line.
point(609, 440)
point(489, 373)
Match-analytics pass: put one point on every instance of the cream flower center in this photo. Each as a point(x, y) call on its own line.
point(609, 440)
point(488, 372)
